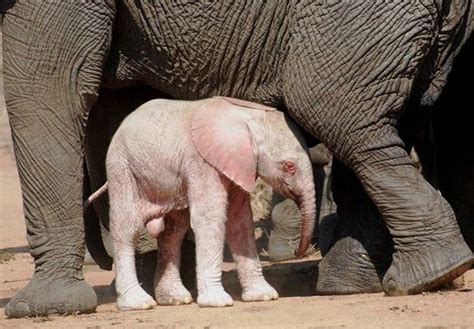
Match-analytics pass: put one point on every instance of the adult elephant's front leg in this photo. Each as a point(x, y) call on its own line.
point(354, 110)
point(53, 57)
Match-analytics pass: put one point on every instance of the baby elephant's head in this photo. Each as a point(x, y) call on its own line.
point(244, 140)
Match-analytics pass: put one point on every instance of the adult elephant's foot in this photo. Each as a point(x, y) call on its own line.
point(47, 295)
point(348, 269)
point(427, 268)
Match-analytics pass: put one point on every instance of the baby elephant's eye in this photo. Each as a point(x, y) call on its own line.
point(289, 167)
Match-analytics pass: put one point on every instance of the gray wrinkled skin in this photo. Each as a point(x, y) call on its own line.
point(344, 70)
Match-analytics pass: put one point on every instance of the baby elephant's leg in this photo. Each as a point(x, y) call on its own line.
point(241, 240)
point(130, 295)
point(169, 289)
point(208, 217)
point(125, 221)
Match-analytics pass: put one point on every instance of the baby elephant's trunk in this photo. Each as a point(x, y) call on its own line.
point(307, 204)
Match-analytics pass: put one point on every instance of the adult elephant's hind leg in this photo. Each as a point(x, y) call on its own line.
point(53, 56)
point(429, 248)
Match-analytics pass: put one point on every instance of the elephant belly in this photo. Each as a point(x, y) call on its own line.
point(203, 59)
point(162, 197)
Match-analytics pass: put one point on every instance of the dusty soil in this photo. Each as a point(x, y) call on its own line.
point(295, 308)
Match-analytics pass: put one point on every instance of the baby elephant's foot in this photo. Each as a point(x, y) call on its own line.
point(136, 299)
point(215, 298)
point(259, 292)
point(172, 295)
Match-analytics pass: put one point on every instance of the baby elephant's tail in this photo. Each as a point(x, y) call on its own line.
point(95, 195)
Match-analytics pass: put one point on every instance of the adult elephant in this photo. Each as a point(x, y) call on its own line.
point(344, 70)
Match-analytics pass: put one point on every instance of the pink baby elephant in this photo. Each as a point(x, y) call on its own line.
point(172, 164)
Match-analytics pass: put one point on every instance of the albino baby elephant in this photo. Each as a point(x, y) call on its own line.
point(174, 163)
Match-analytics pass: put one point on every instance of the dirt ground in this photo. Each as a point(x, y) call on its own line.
point(295, 308)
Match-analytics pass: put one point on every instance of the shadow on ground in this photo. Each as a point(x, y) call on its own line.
point(15, 250)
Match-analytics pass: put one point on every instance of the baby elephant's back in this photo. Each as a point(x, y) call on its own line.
point(158, 131)
point(159, 118)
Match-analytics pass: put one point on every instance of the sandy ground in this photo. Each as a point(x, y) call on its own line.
point(295, 308)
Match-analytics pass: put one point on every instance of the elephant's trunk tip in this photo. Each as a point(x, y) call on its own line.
point(308, 217)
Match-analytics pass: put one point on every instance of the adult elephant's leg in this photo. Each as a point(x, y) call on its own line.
point(53, 56)
point(362, 248)
point(429, 249)
point(355, 110)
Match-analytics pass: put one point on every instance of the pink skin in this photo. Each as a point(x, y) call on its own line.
point(240, 237)
point(169, 289)
point(155, 226)
point(175, 164)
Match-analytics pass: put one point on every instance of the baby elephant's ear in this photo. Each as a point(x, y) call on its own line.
point(222, 137)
